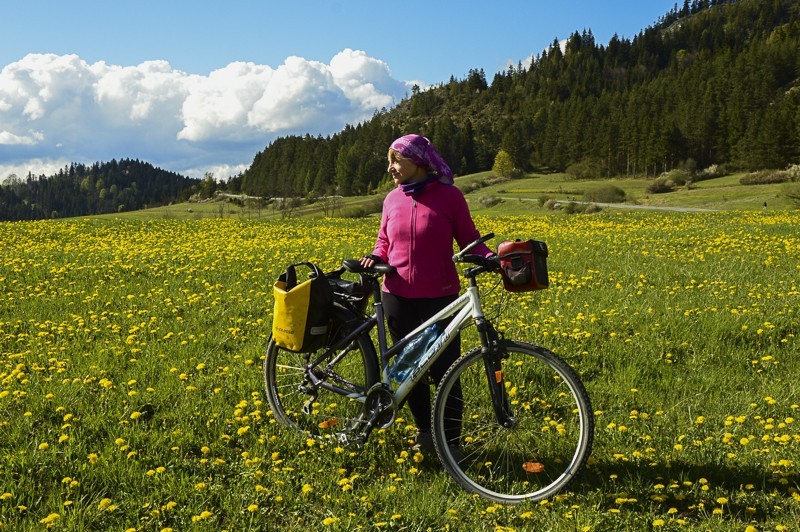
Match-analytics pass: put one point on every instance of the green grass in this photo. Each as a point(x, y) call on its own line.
point(724, 193)
point(131, 393)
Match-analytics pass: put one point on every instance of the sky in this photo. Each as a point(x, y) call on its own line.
point(201, 86)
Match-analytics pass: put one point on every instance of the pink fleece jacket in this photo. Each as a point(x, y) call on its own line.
point(416, 237)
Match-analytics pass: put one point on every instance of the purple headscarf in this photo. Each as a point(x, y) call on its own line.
point(422, 153)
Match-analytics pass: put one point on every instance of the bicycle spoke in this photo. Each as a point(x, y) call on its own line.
point(539, 454)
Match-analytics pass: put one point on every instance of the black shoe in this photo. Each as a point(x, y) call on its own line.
point(423, 442)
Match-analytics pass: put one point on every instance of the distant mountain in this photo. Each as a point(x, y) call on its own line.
point(79, 190)
point(713, 82)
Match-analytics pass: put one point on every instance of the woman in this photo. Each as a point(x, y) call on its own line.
point(421, 219)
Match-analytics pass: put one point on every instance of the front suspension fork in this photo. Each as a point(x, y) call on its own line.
point(493, 354)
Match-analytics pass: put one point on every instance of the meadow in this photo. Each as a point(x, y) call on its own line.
point(131, 393)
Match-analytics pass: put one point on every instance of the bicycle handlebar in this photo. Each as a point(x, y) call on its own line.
point(355, 266)
point(486, 263)
point(469, 247)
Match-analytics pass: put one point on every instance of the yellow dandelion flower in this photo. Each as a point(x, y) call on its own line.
point(50, 519)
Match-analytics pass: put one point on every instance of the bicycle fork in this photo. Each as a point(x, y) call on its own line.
point(493, 355)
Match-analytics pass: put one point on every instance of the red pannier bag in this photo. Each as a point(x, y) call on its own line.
point(523, 265)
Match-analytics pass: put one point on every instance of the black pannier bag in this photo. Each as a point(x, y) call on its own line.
point(523, 265)
point(302, 311)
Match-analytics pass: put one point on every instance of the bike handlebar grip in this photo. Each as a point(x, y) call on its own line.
point(355, 266)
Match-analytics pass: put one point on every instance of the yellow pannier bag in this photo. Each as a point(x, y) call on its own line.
point(302, 311)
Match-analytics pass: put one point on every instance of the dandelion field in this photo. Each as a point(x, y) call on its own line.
point(131, 393)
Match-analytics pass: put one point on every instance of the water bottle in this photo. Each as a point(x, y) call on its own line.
point(406, 361)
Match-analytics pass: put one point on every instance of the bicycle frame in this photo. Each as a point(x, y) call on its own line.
point(466, 306)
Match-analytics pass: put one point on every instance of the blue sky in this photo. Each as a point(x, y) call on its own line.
point(202, 86)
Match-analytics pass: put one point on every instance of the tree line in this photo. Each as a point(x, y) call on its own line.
point(713, 82)
point(79, 190)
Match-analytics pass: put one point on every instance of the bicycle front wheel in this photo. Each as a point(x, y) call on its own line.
point(547, 437)
point(327, 405)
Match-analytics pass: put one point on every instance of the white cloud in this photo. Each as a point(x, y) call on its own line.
point(56, 108)
point(217, 106)
point(6, 137)
point(35, 167)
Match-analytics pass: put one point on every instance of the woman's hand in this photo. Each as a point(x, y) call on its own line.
point(367, 261)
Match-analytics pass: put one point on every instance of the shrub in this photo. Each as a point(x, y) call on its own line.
point(569, 207)
point(473, 186)
point(794, 173)
point(660, 186)
point(765, 177)
point(551, 204)
point(605, 194)
point(711, 172)
point(592, 208)
point(679, 177)
point(489, 201)
point(543, 199)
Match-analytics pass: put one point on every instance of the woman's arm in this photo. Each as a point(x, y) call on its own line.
point(464, 230)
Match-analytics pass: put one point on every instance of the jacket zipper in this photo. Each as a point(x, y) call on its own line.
point(412, 247)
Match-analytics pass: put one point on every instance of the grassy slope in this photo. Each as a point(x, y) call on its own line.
point(520, 197)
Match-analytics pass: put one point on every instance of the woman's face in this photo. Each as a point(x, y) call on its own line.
point(403, 170)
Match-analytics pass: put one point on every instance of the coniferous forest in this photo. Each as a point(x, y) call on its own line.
point(714, 82)
point(80, 190)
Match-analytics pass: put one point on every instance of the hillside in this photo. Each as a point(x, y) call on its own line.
point(80, 190)
point(712, 83)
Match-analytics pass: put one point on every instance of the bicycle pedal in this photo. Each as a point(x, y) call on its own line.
point(355, 442)
point(307, 406)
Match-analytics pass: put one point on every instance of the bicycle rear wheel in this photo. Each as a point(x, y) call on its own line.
point(547, 442)
point(312, 408)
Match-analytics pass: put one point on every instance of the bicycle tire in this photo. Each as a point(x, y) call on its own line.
point(327, 412)
point(544, 450)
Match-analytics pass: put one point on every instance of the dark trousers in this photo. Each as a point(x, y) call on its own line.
point(403, 315)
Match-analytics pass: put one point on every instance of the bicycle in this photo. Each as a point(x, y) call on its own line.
point(527, 423)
